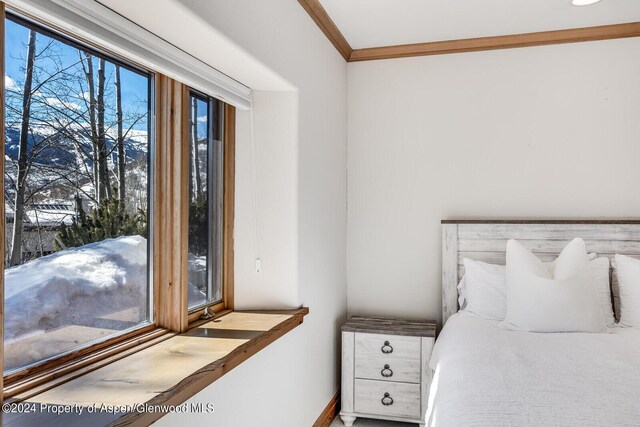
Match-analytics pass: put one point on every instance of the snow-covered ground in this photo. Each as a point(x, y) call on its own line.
point(72, 297)
point(58, 302)
point(197, 280)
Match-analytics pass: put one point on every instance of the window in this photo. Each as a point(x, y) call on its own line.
point(119, 196)
point(77, 186)
point(205, 200)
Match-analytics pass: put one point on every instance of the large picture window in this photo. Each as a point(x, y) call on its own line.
point(205, 200)
point(77, 185)
point(118, 203)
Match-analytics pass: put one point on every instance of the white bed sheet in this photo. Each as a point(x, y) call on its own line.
point(487, 376)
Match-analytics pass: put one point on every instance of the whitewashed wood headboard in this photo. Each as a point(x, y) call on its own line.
point(485, 240)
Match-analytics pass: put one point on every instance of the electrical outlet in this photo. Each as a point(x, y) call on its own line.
point(258, 266)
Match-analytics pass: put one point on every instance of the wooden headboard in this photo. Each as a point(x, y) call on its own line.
point(486, 241)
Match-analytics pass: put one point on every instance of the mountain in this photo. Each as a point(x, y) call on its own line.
point(61, 150)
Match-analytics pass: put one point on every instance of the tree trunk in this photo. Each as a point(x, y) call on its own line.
point(21, 182)
point(79, 210)
point(196, 183)
point(92, 122)
point(120, 142)
point(103, 172)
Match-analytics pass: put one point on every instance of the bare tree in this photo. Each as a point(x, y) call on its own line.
point(72, 121)
point(28, 107)
point(19, 211)
point(120, 139)
point(104, 189)
point(196, 183)
point(88, 70)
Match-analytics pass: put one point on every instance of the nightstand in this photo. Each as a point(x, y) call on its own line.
point(385, 372)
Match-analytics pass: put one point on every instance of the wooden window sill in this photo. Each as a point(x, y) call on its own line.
point(167, 373)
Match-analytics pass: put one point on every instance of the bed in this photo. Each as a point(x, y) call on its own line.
point(485, 375)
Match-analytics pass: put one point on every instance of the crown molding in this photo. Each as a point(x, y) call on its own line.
point(328, 27)
point(542, 38)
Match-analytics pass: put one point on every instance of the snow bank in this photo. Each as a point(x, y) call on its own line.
point(197, 266)
point(79, 295)
point(77, 285)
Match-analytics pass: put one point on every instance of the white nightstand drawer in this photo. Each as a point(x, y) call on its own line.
point(387, 357)
point(387, 398)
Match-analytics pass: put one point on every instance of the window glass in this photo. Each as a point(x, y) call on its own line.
point(77, 147)
point(205, 201)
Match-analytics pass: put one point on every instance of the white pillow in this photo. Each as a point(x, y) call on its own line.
point(462, 294)
point(485, 291)
point(601, 280)
point(562, 300)
point(628, 271)
point(601, 271)
point(484, 276)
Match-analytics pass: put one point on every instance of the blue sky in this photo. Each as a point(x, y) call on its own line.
point(134, 86)
point(202, 118)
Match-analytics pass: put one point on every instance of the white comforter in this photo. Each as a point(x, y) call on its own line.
point(487, 376)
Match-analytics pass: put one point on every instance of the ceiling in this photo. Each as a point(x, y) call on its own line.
point(375, 23)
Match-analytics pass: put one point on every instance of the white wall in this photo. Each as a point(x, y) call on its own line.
point(301, 138)
point(544, 132)
point(270, 164)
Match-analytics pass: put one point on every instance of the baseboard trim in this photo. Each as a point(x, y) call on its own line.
point(329, 412)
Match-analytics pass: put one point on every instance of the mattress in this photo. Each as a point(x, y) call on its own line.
point(486, 376)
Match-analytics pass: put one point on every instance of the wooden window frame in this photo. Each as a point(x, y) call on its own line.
point(228, 215)
point(216, 130)
point(2, 210)
point(172, 204)
point(169, 284)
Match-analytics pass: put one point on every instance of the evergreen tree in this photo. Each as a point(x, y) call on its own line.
point(198, 226)
point(107, 220)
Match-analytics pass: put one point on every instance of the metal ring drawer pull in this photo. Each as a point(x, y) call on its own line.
point(386, 350)
point(387, 400)
point(386, 374)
